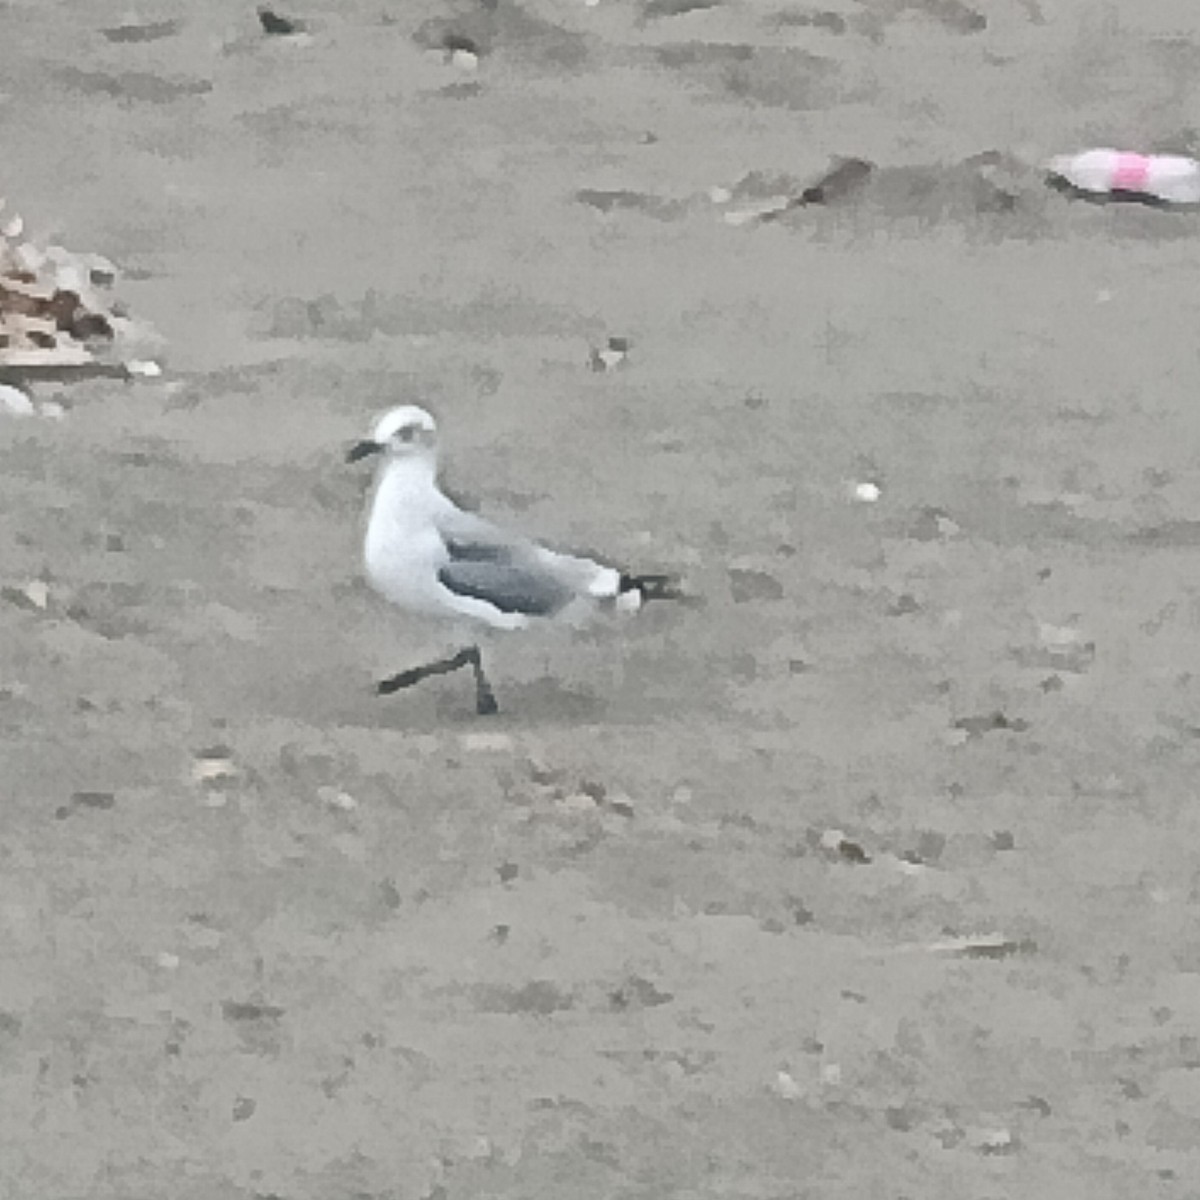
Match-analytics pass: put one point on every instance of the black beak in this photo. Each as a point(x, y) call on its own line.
point(362, 450)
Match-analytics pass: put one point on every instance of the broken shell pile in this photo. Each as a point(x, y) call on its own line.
point(56, 309)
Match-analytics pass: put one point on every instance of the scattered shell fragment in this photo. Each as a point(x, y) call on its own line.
point(576, 802)
point(338, 799)
point(837, 845)
point(53, 318)
point(15, 402)
point(992, 1141)
point(1060, 637)
point(744, 216)
point(38, 593)
point(990, 945)
point(213, 764)
point(542, 773)
point(867, 493)
point(786, 1087)
point(486, 743)
point(203, 937)
point(831, 1074)
point(144, 368)
point(611, 356)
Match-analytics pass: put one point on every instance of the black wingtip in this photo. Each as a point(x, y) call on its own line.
point(453, 42)
point(653, 587)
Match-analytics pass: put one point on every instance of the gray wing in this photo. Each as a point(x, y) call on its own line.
point(508, 586)
point(511, 572)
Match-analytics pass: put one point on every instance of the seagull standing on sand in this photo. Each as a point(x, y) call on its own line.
point(427, 555)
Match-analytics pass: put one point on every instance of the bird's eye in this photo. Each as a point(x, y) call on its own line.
point(407, 433)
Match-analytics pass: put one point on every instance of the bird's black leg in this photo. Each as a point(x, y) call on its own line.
point(442, 666)
point(485, 699)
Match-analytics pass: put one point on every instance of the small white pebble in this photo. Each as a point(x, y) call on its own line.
point(494, 743)
point(144, 367)
point(13, 227)
point(868, 493)
point(832, 839)
point(720, 195)
point(576, 802)
point(1059, 637)
point(168, 961)
point(992, 1141)
point(464, 60)
point(786, 1087)
point(38, 593)
point(340, 800)
point(205, 769)
point(203, 937)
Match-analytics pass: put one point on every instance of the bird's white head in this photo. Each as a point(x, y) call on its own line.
point(404, 432)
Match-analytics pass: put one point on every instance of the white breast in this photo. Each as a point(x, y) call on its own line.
point(403, 550)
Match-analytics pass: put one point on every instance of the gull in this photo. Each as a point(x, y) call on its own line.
point(432, 558)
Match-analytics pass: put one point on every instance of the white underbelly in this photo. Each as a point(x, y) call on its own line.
point(404, 569)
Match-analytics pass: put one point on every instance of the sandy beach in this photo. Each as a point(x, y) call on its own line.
point(870, 873)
